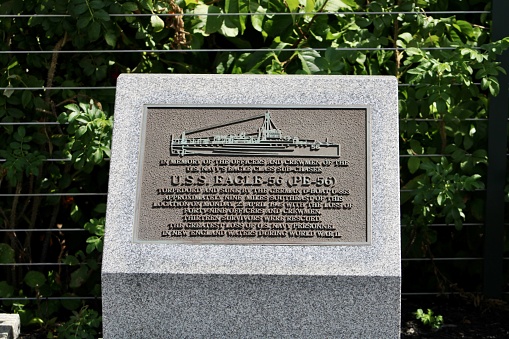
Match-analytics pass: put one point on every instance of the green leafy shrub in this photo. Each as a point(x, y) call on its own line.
point(83, 324)
point(429, 319)
point(446, 66)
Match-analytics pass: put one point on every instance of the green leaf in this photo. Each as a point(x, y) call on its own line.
point(102, 15)
point(257, 19)
point(79, 277)
point(70, 304)
point(440, 199)
point(307, 58)
point(80, 9)
point(212, 22)
point(6, 290)
point(406, 37)
point(97, 4)
point(413, 51)
point(494, 86)
point(458, 224)
point(100, 208)
point(82, 130)
point(35, 279)
point(94, 243)
point(157, 23)
point(71, 260)
point(293, 5)
point(228, 29)
point(335, 5)
point(309, 7)
point(334, 59)
point(149, 4)
point(21, 132)
point(75, 213)
point(95, 226)
point(94, 30)
point(441, 106)
point(36, 321)
point(83, 21)
point(236, 6)
point(130, 6)
point(6, 254)
point(26, 98)
point(413, 164)
point(8, 91)
point(98, 156)
point(111, 39)
point(468, 142)
point(465, 28)
point(442, 67)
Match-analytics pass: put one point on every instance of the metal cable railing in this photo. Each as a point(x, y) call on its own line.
point(212, 50)
point(355, 13)
point(42, 88)
point(239, 50)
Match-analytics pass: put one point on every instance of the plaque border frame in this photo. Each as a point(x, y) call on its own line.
point(141, 149)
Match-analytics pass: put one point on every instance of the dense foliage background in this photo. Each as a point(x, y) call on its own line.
point(54, 172)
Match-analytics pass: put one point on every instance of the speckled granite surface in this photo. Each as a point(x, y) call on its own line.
point(162, 290)
point(9, 326)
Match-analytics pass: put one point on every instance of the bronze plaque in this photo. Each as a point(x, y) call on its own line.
point(254, 175)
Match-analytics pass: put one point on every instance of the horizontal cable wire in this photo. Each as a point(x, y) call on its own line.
point(443, 259)
point(47, 160)
point(401, 156)
point(49, 194)
point(452, 225)
point(216, 50)
point(415, 294)
point(212, 50)
point(402, 259)
point(44, 264)
point(31, 123)
point(105, 193)
point(66, 123)
point(50, 298)
point(130, 15)
point(423, 155)
point(455, 84)
point(114, 88)
point(437, 120)
point(82, 229)
point(56, 88)
point(41, 229)
point(409, 294)
point(429, 155)
point(57, 160)
point(415, 190)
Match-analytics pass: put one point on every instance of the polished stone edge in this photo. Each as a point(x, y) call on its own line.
point(9, 326)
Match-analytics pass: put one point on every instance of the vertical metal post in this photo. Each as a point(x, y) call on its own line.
point(497, 160)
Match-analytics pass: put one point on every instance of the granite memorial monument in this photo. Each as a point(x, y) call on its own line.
point(253, 206)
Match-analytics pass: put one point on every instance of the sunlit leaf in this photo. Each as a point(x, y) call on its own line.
point(157, 23)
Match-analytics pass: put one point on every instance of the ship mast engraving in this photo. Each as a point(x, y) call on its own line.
point(267, 141)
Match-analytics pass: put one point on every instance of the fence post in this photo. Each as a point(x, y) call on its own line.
point(497, 160)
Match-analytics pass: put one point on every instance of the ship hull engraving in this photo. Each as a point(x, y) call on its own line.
point(268, 141)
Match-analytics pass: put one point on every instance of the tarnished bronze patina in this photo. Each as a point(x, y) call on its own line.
point(254, 175)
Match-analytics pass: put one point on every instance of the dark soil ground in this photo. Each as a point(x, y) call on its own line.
point(466, 316)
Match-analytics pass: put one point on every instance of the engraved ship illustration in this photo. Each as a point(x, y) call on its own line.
point(267, 141)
